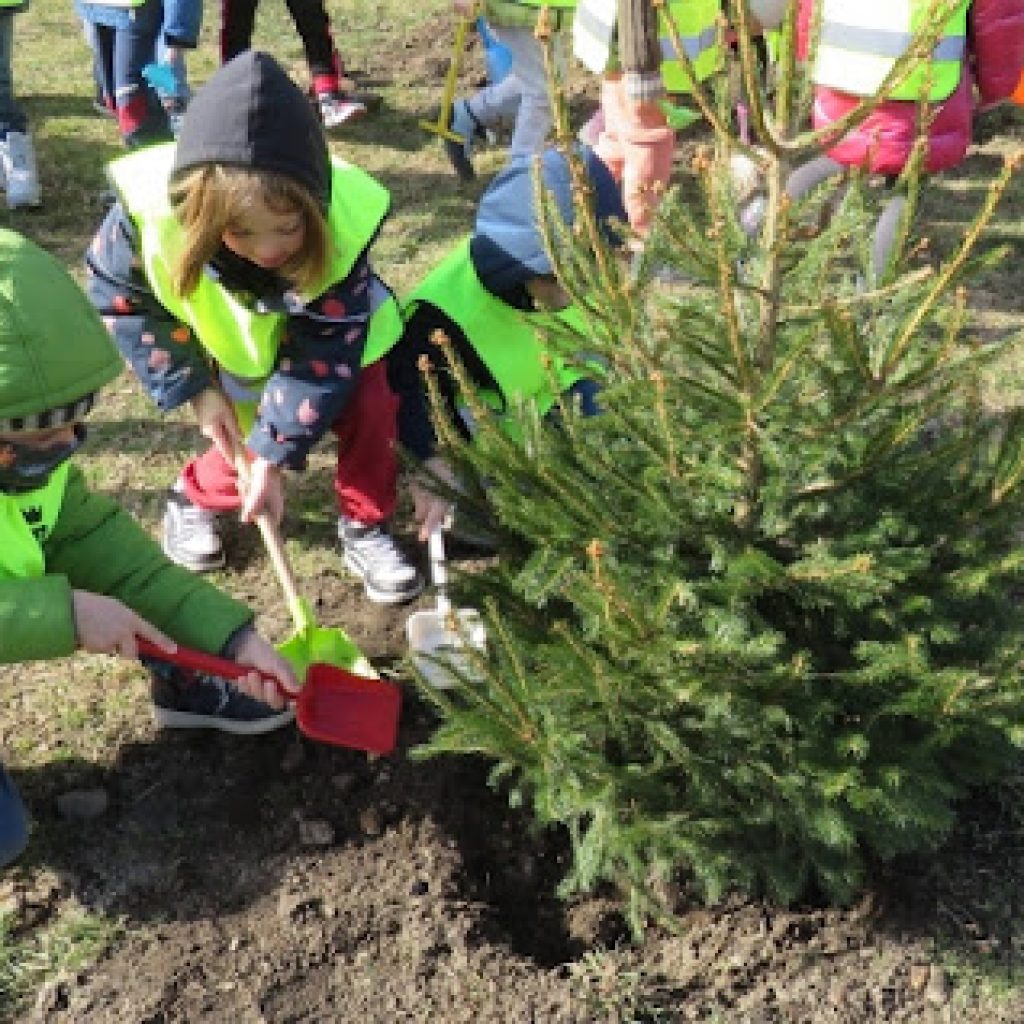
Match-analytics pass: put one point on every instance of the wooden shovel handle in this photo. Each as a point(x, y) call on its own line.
point(275, 548)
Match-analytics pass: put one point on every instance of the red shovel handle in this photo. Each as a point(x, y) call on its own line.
point(187, 657)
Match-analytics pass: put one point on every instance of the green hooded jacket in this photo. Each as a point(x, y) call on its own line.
point(54, 351)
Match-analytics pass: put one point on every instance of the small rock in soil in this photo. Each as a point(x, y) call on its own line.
point(370, 822)
point(316, 832)
point(419, 888)
point(937, 992)
point(344, 782)
point(82, 804)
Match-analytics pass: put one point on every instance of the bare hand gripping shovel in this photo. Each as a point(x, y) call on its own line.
point(333, 706)
point(438, 639)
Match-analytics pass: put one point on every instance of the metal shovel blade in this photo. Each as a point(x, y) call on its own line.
point(333, 706)
point(439, 639)
point(438, 648)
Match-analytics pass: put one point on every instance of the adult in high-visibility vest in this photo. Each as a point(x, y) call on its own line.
point(981, 48)
point(77, 572)
point(234, 275)
point(635, 140)
point(521, 97)
point(496, 300)
point(19, 178)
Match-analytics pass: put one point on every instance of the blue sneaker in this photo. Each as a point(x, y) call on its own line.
point(13, 820)
point(193, 700)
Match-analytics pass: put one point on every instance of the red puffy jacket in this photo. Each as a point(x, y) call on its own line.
point(993, 64)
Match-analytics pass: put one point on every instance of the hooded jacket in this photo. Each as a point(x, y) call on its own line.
point(884, 140)
point(248, 114)
point(505, 250)
point(54, 351)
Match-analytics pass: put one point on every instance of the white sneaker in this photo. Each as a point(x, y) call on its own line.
point(18, 164)
point(371, 553)
point(191, 537)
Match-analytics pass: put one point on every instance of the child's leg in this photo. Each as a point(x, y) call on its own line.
point(497, 103)
point(314, 27)
point(533, 121)
point(366, 485)
point(141, 117)
point(209, 481)
point(366, 480)
point(12, 117)
point(206, 487)
point(13, 820)
point(237, 18)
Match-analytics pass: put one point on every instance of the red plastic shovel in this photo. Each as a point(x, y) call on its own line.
point(333, 706)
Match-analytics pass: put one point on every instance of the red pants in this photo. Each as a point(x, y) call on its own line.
point(366, 476)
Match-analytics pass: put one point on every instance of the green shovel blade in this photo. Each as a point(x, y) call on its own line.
point(312, 644)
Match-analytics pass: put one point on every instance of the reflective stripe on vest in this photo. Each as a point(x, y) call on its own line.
point(696, 21)
point(697, 24)
point(26, 520)
point(505, 338)
point(861, 40)
point(241, 340)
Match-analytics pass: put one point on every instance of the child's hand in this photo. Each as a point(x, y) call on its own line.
point(217, 421)
point(253, 650)
point(104, 625)
point(430, 508)
point(263, 492)
point(464, 8)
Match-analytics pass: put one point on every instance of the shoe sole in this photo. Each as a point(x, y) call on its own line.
point(198, 565)
point(165, 718)
point(356, 115)
point(382, 596)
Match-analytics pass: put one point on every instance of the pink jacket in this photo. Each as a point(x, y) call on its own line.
point(995, 58)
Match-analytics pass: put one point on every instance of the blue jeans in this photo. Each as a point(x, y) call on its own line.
point(13, 820)
point(12, 117)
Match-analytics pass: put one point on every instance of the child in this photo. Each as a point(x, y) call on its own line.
point(234, 275)
point(634, 137)
point(336, 98)
point(981, 49)
point(124, 39)
point(522, 94)
point(76, 571)
point(489, 296)
point(18, 174)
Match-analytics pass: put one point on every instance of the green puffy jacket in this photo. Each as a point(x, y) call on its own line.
point(53, 351)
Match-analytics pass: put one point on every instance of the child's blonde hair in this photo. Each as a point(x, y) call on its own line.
point(209, 199)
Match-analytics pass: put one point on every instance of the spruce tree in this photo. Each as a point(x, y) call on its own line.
point(756, 624)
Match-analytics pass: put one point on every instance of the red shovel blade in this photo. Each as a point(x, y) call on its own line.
point(333, 706)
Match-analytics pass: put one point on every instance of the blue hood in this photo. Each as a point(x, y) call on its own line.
point(507, 247)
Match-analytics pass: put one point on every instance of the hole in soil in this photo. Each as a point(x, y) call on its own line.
point(510, 868)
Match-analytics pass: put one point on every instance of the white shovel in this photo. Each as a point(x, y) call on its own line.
point(438, 639)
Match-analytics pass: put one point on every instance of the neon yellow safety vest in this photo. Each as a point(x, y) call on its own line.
point(861, 40)
point(697, 25)
point(242, 341)
point(26, 520)
point(524, 13)
point(505, 338)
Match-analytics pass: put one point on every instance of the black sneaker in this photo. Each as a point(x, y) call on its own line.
point(372, 554)
point(464, 124)
point(192, 700)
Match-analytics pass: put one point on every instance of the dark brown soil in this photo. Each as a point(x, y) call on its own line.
point(275, 879)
